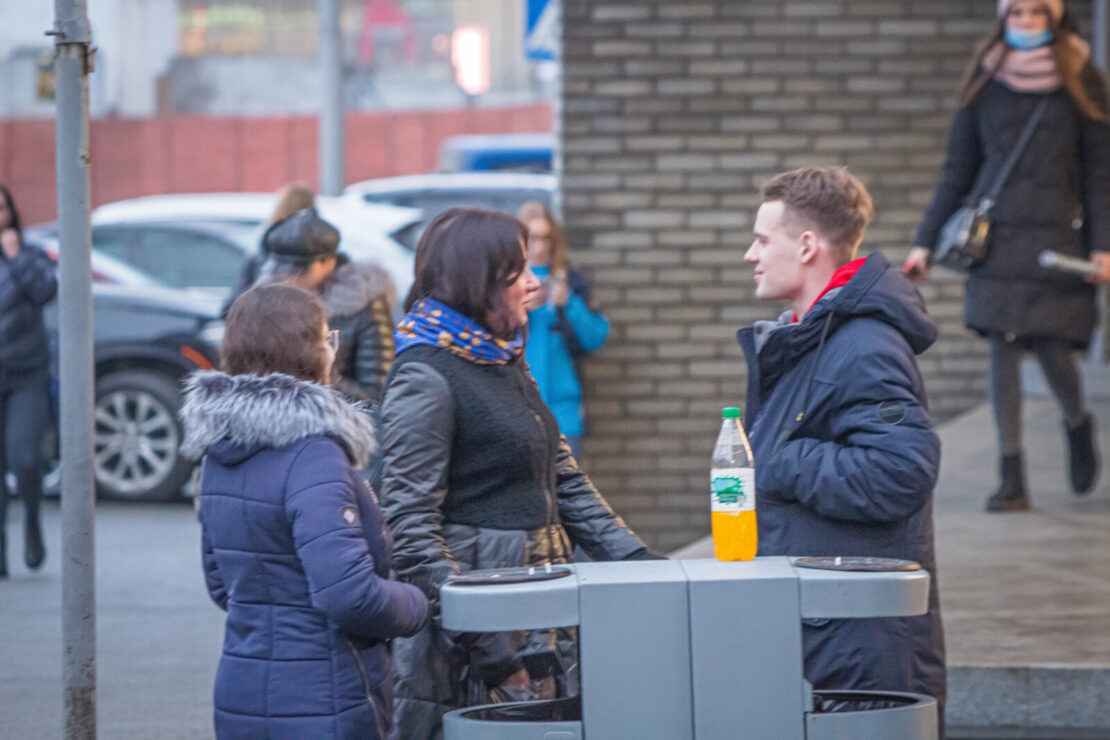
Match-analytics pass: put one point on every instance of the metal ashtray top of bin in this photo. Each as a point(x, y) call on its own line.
point(846, 587)
point(512, 599)
point(548, 596)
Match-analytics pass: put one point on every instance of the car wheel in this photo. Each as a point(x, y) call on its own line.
point(137, 436)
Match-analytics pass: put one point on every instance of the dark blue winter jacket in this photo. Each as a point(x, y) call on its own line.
point(296, 551)
point(846, 460)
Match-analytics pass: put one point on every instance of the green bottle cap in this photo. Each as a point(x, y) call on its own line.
point(730, 413)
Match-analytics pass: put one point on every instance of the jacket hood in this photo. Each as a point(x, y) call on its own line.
point(235, 416)
point(877, 290)
point(354, 285)
point(880, 291)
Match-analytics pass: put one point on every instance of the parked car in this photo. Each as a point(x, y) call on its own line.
point(195, 257)
point(497, 153)
point(145, 340)
point(198, 241)
point(434, 193)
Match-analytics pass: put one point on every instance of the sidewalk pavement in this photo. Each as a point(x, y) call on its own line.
point(158, 633)
point(1025, 596)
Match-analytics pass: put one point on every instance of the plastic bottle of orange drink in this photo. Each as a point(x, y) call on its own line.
point(732, 480)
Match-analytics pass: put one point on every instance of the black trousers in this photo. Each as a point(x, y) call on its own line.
point(24, 419)
point(1057, 360)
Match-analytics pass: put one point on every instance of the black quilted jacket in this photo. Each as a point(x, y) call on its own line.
point(27, 283)
point(1057, 197)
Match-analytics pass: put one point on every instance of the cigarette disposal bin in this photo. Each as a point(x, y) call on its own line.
point(689, 650)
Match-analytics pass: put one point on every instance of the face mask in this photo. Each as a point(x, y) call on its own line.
point(1025, 41)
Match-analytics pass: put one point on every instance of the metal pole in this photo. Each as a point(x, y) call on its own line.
point(1098, 33)
point(1100, 349)
point(72, 60)
point(331, 113)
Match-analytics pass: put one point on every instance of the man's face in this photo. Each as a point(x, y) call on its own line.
point(776, 255)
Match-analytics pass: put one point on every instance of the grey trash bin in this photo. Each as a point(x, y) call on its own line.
point(557, 719)
point(846, 715)
point(692, 650)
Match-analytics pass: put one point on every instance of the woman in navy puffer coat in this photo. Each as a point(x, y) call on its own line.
point(294, 545)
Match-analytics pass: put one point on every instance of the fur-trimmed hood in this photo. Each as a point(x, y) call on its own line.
point(251, 412)
point(354, 285)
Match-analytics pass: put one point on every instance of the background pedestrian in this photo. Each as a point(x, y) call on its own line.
point(1056, 198)
point(562, 325)
point(303, 249)
point(27, 283)
point(293, 197)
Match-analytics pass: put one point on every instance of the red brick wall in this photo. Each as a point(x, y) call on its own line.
point(184, 153)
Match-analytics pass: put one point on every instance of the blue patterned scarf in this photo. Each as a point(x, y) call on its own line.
point(432, 323)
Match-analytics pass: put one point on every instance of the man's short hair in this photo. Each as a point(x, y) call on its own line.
point(828, 200)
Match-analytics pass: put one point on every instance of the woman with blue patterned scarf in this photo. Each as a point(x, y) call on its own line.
point(476, 474)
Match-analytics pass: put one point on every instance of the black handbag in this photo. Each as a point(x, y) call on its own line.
point(964, 240)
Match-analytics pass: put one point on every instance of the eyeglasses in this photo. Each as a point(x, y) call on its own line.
point(333, 339)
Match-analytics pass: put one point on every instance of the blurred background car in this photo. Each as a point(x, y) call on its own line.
point(197, 242)
point(195, 257)
point(497, 153)
point(146, 337)
point(435, 192)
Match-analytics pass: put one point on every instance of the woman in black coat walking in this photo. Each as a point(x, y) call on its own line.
point(27, 283)
point(1057, 197)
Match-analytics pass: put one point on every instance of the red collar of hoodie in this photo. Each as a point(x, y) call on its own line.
point(840, 278)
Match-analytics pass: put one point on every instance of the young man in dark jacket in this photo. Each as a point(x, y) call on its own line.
point(846, 457)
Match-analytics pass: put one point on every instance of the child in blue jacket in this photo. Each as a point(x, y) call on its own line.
point(562, 326)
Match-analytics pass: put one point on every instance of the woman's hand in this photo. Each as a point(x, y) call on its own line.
point(917, 264)
point(1102, 259)
point(9, 242)
point(559, 294)
point(537, 299)
point(518, 680)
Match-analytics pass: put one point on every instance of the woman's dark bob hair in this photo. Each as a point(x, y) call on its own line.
point(465, 260)
point(276, 328)
point(15, 222)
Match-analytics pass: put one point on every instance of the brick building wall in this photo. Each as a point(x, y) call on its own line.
point(672, 115)
point(201, 154)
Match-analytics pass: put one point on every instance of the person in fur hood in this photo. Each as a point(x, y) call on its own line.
point(303, 249)
point(295, 549)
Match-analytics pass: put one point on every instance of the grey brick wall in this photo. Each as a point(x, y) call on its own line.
point(672, 115)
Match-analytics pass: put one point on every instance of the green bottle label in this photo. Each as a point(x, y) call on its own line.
point(732, 489)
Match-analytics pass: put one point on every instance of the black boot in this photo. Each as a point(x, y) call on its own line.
point(33, 550)
point(3, 526)
point(1011, 495)
point(1083, 456)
